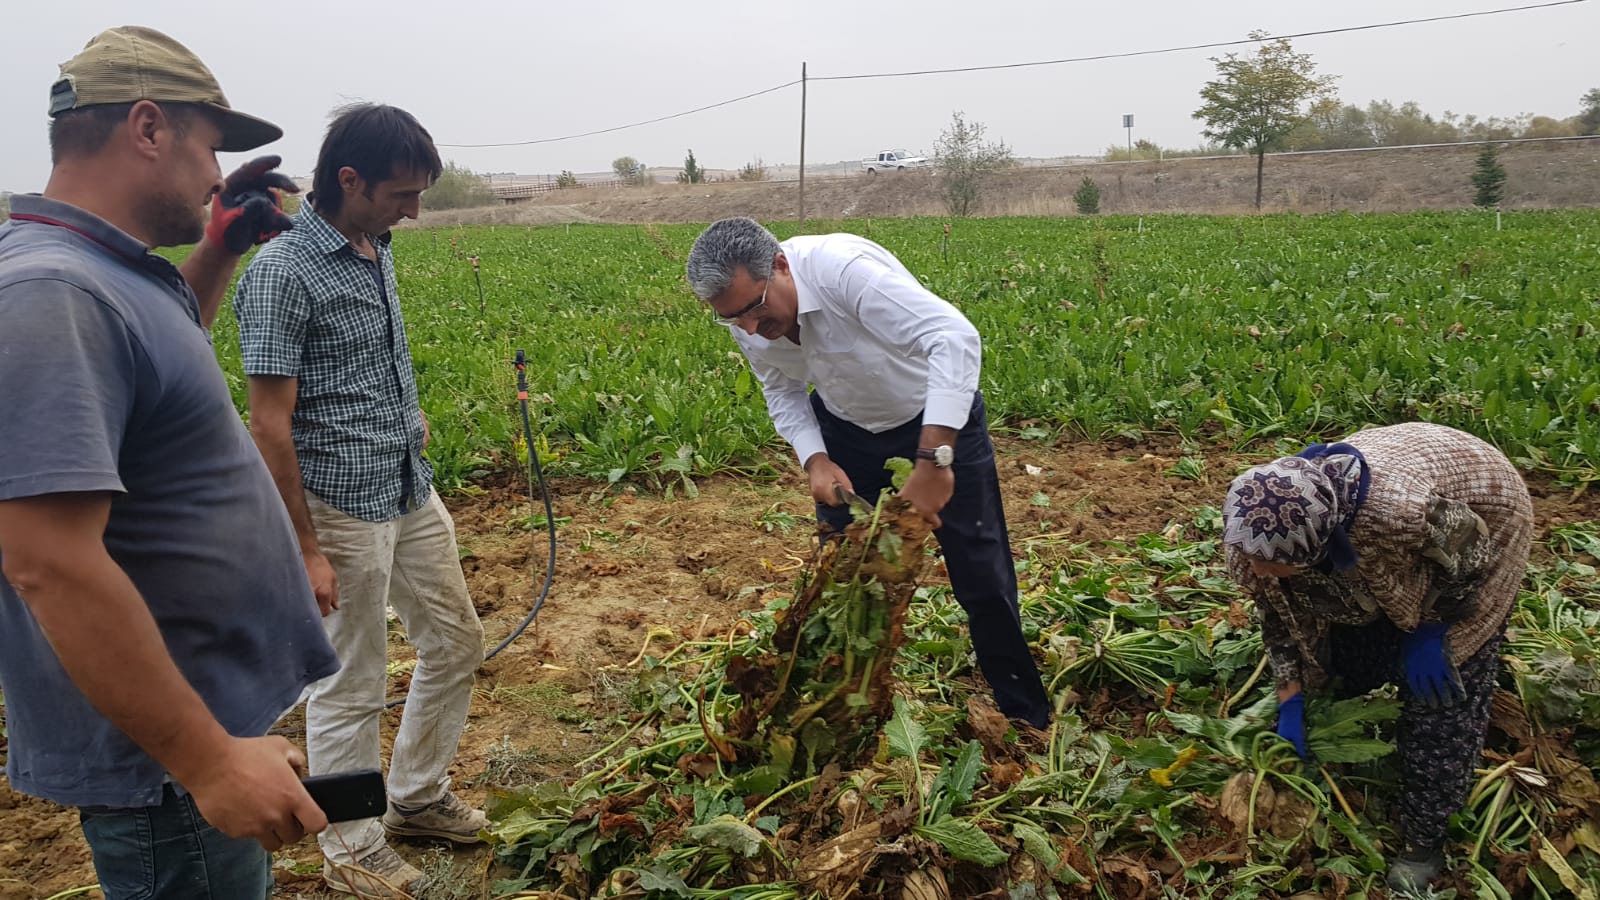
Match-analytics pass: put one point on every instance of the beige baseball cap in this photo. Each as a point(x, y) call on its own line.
point(132, 63)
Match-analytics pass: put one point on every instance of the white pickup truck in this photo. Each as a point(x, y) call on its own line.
point(896, 160)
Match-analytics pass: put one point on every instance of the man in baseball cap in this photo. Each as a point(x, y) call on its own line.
point(127, 64)
point(155, 616)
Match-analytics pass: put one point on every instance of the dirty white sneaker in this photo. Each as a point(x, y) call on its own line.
point(449, 817)
point(380, 874)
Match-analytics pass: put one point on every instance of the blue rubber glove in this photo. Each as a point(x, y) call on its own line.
point(1430, 673)
point(1292, 723)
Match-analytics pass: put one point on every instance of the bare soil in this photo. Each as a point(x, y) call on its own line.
point(634, 569)
point(1539, 176)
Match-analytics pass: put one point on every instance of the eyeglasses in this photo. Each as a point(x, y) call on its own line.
point(754, 305)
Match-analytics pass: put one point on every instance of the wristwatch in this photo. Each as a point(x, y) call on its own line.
point(943, 455)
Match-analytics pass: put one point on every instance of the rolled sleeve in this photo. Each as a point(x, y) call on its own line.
point(948, 408)
point(274, 309)
point(898, 310)
point(807, 444)
point(68, 368)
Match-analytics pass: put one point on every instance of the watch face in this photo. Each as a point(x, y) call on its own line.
point(943, 455)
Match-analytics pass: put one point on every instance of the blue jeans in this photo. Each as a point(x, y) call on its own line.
point(169, 851)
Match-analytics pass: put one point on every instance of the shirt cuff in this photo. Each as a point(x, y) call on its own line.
point(808, 444)
point(949, 409)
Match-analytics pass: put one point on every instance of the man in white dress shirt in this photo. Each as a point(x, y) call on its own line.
point(895, 369)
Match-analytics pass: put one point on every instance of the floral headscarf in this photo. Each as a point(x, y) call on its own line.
point(1298, 510)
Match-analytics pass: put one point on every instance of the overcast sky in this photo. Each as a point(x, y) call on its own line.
point(479, 71)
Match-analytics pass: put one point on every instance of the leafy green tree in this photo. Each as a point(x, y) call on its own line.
point(1407, 124)
point(1256, 102)
point(1489, 178)
point(458, 187)
point(692, 172)
point(1589, 118)
point(630, 170)
point(1339, 126)
point(566, 179)
point(1549, 127)
point(1087, 197)
point(1142, 149)
point(966, 162)
point(755, 170)
point(1494, 128)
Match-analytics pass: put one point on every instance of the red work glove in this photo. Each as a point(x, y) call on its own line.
point(249, 209)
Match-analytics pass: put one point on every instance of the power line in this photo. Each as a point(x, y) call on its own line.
point(678, 115)
point(1021, 65)
point(1188, 47)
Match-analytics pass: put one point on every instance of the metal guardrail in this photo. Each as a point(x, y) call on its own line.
point(524, 190)
point(1281, 153)
point(1273, 155)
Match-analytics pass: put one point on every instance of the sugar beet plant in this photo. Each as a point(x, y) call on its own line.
point(1234, 329)
point(1159, 778)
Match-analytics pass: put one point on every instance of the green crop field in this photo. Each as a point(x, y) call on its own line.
point(1227, 328)
point(1160, 777)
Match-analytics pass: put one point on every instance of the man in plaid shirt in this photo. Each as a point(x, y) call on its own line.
point(333, 407)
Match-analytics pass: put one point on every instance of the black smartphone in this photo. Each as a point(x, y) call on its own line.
point(344, 796)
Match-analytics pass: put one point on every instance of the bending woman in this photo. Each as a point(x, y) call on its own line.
point(1395, 555)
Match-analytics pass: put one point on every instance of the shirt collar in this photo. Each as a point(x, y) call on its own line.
point(42, 209)
point(39, 209)
point(323, 236)
point(806, 300)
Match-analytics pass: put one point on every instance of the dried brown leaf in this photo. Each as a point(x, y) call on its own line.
point(697, 765)
point(1129, 879)
point(988, 725)
point(1507, 715)
point(1237, 617)
point(1005, 774)
point(611, 823)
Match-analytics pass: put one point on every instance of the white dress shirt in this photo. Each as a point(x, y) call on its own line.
point(878, 346)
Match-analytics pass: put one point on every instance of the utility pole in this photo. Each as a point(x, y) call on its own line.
point(802, 142)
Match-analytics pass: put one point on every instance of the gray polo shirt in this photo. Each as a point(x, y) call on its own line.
point(108, 383)
point(311, 307)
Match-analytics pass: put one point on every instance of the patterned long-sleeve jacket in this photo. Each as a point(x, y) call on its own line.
point(1443, 536)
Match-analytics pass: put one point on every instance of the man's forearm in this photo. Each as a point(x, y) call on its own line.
point(109, 645)
point(278, 452)
point(208, 269)
point(937, 435)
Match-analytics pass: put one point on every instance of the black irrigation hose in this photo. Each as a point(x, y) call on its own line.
point(535, 473)
point(537, 483)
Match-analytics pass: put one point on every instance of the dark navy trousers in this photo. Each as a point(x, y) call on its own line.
point(977, 549)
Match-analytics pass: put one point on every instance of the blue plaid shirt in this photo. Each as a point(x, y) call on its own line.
point(311, 307)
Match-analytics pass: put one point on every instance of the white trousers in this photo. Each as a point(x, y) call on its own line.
point(411, 564)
